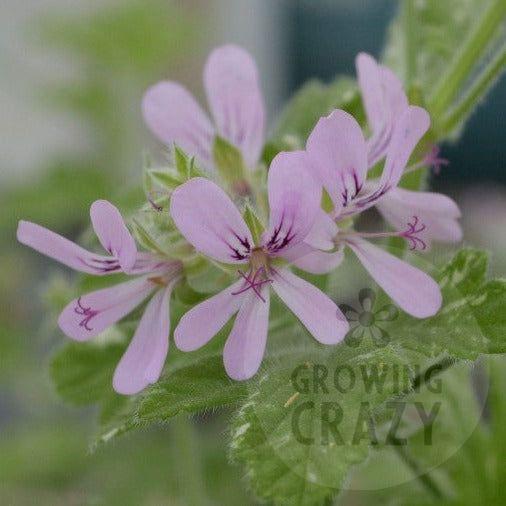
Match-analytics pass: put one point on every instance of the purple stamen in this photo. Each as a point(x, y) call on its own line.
point(87, 312)
point(252, 283)
point(410, 234)
point(433, 159)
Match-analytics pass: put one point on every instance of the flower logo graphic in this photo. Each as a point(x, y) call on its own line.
point(367, 321)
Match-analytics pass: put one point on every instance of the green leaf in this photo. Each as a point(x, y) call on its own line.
point(285, 470)
point(229, 162)
point(466, 272)
point(470, 321)
point(82, 372)
point(466, 460)
point(188, 385)
point(169, 179)
point(185, 165)
point(254, 223)
point(307, 106)
point(297, 437)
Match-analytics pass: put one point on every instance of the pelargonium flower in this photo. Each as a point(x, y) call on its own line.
point(210, 221)
point(385, 101)
point(235, 100)
point(92, 313)
point(337, 151)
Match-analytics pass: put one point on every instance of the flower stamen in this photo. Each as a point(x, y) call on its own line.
point(415, 227)
point(253, 283)
point(87, 312)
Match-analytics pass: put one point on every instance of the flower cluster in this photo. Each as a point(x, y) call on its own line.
point(296, 230)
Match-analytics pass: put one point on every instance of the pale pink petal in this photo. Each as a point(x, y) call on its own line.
point(396, 102)
point(319, 262)
point(316, 311)
point(201, 323)
point(323, 231)
point(91, 314)
point(143, 361)
point(146, 262)
point(209, 220)
point(234, 96)
point(173, 115)
point(414, 291)
point(338, 155)
point(245, 345)
point(64, 251)
point(384, 100)
point(409, 129)
point(307, 255)
point(369, 81)
point(436, 211)
point(294, 201)
point(113, 233)
point(395, 95)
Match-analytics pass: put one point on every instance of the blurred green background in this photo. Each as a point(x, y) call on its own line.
point(73, 76)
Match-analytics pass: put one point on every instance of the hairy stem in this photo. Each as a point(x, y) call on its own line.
point(465, 60)
point(425, 480)
point(492, 72)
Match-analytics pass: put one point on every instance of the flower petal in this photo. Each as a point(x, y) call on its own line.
point(323, 231)
point(338, 155)
point(234, 96)
point(294, 201)
point(209, 220)
point(409, 129)
point(414, 291)
point(317, 312)
point(384, 100)
point(201, 323)
point(113, 233)
point(436, 211)
point(395, 96)
point(319, 262)
point(369, 81)
point(91, 314)
point(143, 361)
point(173, 115)
point(64, 251)
point(245, 345)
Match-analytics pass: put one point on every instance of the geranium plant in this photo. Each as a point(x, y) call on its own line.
point(240, 252)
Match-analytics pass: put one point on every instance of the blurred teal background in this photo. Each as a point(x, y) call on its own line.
point(73, 74)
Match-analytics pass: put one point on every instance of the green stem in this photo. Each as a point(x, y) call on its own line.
point(464, 62)
point(426, 481)
point(409, 27)
point(486, 80)
point(424, 478)
point(188, 463)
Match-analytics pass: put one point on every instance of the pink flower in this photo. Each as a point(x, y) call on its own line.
point(92, 313)
point(209, 220)
point(385, 102)
point(337, 151)
point(236, 103)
